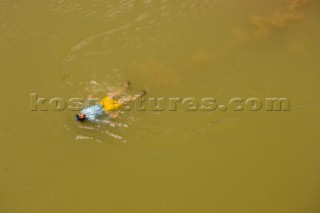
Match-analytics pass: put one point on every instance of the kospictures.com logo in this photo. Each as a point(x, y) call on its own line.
point(166, 104)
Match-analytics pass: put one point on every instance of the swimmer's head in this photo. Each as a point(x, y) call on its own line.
point(81, 117)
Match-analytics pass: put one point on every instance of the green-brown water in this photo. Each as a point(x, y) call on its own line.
point(170, 161)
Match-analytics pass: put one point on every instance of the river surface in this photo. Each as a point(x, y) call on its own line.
point(184, 160)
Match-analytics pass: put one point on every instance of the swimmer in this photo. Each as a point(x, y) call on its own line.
point(108, 106)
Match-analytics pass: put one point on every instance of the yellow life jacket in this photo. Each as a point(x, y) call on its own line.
point(109, 104)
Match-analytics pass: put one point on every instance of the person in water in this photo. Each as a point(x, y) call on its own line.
point(108, 106)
